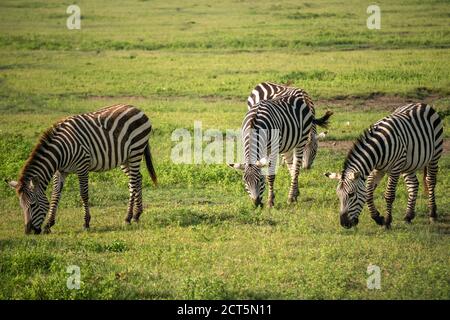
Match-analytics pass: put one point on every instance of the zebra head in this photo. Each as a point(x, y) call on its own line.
point(254, 181)
point(310, 151)
point(351, 191)
point(34, 203)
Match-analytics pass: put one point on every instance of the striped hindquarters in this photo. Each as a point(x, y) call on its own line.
point(407, 140)
point(289, 116)
point(270, 90)
point(110, 136)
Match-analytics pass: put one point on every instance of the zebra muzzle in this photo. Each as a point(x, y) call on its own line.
point(258, 202)
point(29, 229)
point(348, 223)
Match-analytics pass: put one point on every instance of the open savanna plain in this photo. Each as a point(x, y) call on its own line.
point(199, 236)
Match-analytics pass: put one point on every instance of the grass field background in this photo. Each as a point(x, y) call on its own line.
point(199, 236)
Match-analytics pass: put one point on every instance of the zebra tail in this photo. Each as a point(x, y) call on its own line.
point(149, 163)
point(425, 185)
point(324, 121)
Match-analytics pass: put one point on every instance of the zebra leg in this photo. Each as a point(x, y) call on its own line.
point(390, 197)
point(270, 179)
point(372, 183)
point(295, 168)
point(412, 184)
point(83, 177)
point(135, 185)
point(271, 195)
point(126, 170)
point(430, 180)
point(289, 159)
point(58, 184)
point(138, 208)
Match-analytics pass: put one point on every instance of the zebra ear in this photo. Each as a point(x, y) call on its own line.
point(34, 182)
point(354, 175)
point(237, 166)
point(321, 135)
point(333, 175)
point(12, 184)
point(263, 163)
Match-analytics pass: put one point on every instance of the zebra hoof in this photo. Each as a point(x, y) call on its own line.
point(86, 228)
point(136, 220)
point(433, 219)
point(408, 218)
point(379, 220)
point(46, 230)
point(292, 200)
point(270, 204)
point(387, 222)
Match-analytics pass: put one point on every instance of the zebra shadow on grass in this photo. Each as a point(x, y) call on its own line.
point(419, 224)
point(177, 217)
point(188, 217)
point(442, 225)
point(119, 226)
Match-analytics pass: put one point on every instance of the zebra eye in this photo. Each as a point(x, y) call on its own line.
point(351, 194)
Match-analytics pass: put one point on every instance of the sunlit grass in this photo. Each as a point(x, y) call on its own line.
point(200, 237)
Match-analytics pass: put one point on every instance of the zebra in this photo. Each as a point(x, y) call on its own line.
point(408, 140)
point(97, 141)
point(282, 126)
point(270, 90)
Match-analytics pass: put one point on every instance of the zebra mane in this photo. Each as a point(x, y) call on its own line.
point(360, 140)
point(42, 143)
point(251, 122)
point(309, 102)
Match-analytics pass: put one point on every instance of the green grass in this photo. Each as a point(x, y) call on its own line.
point(199, 237)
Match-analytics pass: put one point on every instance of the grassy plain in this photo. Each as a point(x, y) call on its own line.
point(199, 237)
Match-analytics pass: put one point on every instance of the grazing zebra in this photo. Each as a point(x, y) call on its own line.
point(98, 141)
point(270, 90)
point(408, 140)
point(280, 126)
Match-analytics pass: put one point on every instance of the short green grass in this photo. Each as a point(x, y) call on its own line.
point(199, 237)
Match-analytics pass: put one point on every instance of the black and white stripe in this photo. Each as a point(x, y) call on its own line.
point(98, 141)
point(273, 127)
point(270, 90)
point(408, 140)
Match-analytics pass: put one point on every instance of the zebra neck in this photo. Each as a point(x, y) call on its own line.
point(363, 157)
point(254, 145)
point(357, 167)
point(42, 164)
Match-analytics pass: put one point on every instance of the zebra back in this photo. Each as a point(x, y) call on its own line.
point(412, 133)
point(102, 140)
point(270, 90)
point(290, 115)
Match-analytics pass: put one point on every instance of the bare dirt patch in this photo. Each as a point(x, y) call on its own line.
point(341, 146)
point(345, 145)
point(206, 98)
point(374, 101)
point(118, 98)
